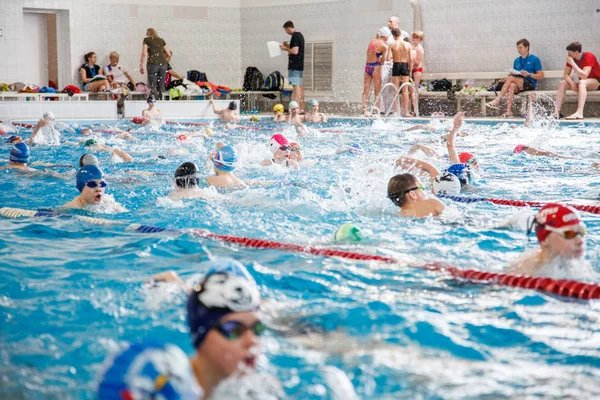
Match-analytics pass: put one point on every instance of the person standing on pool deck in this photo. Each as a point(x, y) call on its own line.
point(587, 71)
point(376, 55)
point(295, 48)
point(401, 70)
point(530, 71)
point(154, 54)
point(560, 233)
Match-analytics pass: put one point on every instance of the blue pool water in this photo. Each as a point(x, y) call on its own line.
point(71, 292)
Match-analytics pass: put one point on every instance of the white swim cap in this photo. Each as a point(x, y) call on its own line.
point(385, 31)
point(49, 115)
point(446, 184)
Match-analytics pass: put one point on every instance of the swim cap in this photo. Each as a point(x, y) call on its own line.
point(348, 233)
point(463, 172)
point(151, 99)
point(225, 159)
point(292, 104)
point(254, 118)
point(209, 131)
point(556, 216)
point(186, 175)
point(385, 31)
point(278, 108)
point(182, 137)
point(232, 105)
point(150, 370)
point(446, 184)
point(12, 139)
point(88, 159)
point(86, 174)
point(313, 103)
point(48, 115)
point(465, 157)
point(277, 141)
point(227, 287)
point(520, 148)
point(19, 153)
point(90, 142)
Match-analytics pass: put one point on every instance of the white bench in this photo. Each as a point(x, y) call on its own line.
point(41, 96)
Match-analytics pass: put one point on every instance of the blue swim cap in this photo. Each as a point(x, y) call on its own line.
point(147, 371)
point(19, 153)
point(225, 159)
point(88, 173)
point(463, 172)
point(11, 139)
point(227, 287)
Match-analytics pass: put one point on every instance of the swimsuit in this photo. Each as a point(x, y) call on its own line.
point(400, 69)
point(420, 69)
point(370, 67)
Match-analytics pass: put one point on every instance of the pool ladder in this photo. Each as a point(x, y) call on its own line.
point(374, 109)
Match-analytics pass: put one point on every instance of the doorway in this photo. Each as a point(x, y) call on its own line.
point(40, 49)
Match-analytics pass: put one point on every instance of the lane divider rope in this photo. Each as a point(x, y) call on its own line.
point(518, 203)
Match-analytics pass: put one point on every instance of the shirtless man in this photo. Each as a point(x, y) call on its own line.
point(560, 233)
point(407, 192)
point(401, 70)
point(313, 114)
point(227, 115)
point(151, 114)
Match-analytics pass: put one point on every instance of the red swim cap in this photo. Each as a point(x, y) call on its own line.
point(556, 216)
point(464, 157)
point(182, 137)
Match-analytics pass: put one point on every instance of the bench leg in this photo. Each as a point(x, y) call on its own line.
point(483, 107)
point(459, 105)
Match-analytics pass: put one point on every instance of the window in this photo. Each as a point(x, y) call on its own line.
point(318, 66)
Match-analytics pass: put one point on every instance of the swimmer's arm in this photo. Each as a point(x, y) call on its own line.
point(34, 133)
point(323, 118)
point(384, 56)
point(437, 206)
point(126, 157)
point(425, 149)
point(410, 163)
point(416, 127)
point(535, 152)
point(170, 276)
point(411, 62)
point(458, 119)
point(258, 182)
point(218, 112)
point(4, 167)
point(266, 162)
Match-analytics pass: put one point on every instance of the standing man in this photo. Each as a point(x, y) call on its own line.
point(295, 48)
point(387, 97)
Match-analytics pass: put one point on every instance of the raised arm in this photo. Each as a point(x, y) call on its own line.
point(218, 112)
point(409, 163)
point(458, 119)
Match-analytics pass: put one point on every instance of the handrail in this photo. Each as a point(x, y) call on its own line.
point(399, 90)
point(379, 96)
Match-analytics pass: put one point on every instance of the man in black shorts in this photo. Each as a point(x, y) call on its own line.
point(402, 57)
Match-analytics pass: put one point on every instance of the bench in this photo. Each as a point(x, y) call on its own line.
point(41, 96)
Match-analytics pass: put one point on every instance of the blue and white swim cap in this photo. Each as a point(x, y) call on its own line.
point(19, 153)
point(446, 184)
point(150, 371)
point(225, 159)
point(88, 173)
point(463, 172)
point(227, 287)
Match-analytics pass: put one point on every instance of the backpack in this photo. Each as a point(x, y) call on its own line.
point(274, 82)
point(442, 85)
point(253, 79)
point(196, 76)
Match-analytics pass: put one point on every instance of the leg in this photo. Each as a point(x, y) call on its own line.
point(505, 88)
point(396, 82)
point(153, 79)
point(366, 88)
point(162, 75)
point(404, 108)
point(97, 86)
point(584, 86)
point(377, 84)
point(560, 97)
point(512, 90)
point(417, 80)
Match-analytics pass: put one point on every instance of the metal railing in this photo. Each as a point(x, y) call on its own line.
point(397, 97)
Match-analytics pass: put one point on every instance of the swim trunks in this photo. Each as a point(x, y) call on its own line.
point(400, 69)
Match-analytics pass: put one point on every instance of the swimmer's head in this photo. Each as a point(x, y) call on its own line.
point(463, 173)
point(278, 108)
point(446, 184)
point(313, 103)
point(348, 233)
point(90, 142)
point(88, 159)
point(403, 188)
point(559, 230)
point(225, 159)
point(297, 154)
point(520, 148)
point(209, 131)
point(254, 118)
point(384, 32)
point(186, 175)
point(85, 131)
point(14, 139)
point(19, 153)
point(293, 105)
point(227, 288)
point(232, 106)
point(150, 370)
point(468, 158)
point(277, 141)
point(151, 99)
point(48, 115)
point(86, 174)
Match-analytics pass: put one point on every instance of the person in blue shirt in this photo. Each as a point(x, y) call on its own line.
point(526, 71)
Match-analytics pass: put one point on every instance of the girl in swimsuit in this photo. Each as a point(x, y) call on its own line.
point(376, 55)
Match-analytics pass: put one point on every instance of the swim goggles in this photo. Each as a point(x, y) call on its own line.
point(415, 188)
point(94, 184)
point(285, 148)
point(233, 330)
point(472, 161)
point(566, 233)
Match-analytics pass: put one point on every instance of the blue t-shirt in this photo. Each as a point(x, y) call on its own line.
point(531, 64)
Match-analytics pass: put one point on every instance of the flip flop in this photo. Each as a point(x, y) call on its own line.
point(492, 105)
point(571, 118)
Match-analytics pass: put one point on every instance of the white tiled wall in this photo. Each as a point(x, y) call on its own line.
point(223, 37)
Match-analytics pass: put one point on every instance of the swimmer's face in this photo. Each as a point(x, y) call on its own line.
point(296, 154)
point(294, 111)
point(417, 194)
point(93, 195)
point(226, 355)
point(86, 131)
point(315, 108)
point(558, 245)
point(282, 154)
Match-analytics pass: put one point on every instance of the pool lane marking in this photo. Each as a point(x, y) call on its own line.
point(519, 203)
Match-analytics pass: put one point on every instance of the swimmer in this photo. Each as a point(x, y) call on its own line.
point(535, 152)
point(295, 118)
point(278, 111)
point(151, 115)
point(228, 115)
point(187, 178)
point(560, 233)
point(224, 324)
point(90, 183)
point(93, 145)
point(14, 139)
point(45, 126)
point(224, 161)
point(353, 148)
point(297, 154)
point(149, 370)
point(313, 114)
point(281, 150)
point(18, 158)
point(88, 159)
point(407, 192)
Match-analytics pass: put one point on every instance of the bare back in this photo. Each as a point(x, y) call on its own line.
point(400, 51)
point(422, 209)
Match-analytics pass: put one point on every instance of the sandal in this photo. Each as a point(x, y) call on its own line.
point(492, 105)
point(573, 117)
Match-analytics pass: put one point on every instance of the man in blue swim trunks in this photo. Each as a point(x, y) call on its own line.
point(295, 48)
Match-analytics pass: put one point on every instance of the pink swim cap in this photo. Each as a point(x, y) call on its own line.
point(519, 149)
point(277, 141)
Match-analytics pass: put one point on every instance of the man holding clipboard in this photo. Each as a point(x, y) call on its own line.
point(523, 76)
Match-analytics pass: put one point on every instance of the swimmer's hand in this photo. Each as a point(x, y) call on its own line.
point(169, 276)
point(458, 119)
